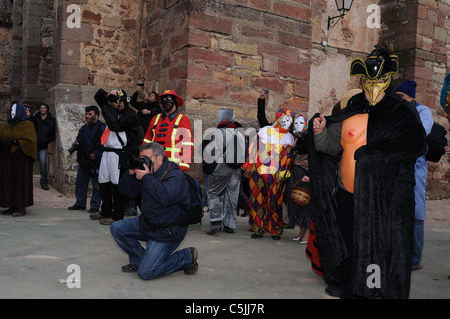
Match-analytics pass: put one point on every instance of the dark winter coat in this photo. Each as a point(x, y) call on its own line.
point(127, 121)
point(161, 202)
point(89, 138)
point(45, 129)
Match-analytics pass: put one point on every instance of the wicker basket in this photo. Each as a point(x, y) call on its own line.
point(300, 196)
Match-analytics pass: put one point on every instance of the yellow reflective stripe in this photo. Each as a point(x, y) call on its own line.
point(174, 159)
point(187, 143)
point(146, 141)
point(184, 165)
point(158, 116)
point(174, 131)
point(172, 150)
point(178, 120)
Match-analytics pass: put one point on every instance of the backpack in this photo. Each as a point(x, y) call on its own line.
point(436, 142)
point(235, 163)
point(193, 215)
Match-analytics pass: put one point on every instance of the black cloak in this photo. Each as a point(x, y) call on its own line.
point(383, 196)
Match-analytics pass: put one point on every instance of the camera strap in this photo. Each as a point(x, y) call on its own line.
point(166, 172)
point(120, 139)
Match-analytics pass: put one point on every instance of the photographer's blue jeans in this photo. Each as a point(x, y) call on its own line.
point(157, 259)
point(42, 157)
point(418, 243)
point(81, 189)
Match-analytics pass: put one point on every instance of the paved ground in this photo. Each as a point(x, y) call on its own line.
point(37, 249)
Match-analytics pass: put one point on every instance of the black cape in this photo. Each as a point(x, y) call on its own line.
point(383, 196)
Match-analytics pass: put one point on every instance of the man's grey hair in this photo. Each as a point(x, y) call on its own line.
point(158, 149)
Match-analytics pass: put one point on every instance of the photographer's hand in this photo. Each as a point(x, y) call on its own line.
point(140, 173)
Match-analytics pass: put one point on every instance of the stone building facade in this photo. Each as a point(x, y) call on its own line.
point(213, 53)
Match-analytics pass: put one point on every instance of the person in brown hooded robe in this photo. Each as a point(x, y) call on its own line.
point(18, 151)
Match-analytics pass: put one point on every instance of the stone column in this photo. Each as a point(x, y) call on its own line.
point(66, 94)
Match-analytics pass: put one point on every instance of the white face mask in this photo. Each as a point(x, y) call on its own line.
point(285, 122)
point(13, 111)
point(300, 125)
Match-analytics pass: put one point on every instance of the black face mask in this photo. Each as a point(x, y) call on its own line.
point(168, 102)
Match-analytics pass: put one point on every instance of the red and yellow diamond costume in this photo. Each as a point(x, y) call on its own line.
point(268, 165)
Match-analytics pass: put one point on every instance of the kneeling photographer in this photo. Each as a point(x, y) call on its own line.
point(120, 140)
point(163, 189)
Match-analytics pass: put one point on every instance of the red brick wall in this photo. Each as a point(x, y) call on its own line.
point(221, 53)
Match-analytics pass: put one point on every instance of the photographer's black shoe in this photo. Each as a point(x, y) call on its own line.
point(130, 268)
point(194, 266)
point(76, 207)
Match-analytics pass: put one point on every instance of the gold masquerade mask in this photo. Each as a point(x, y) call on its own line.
point(376, 71)
point(373, 88)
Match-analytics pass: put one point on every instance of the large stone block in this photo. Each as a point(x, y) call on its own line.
point(73, 75)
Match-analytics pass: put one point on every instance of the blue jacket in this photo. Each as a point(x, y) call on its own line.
point(89, 138)
point(421, 167)
point(161, 202)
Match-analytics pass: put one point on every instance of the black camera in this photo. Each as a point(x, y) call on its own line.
point(75, 147)
point(112, 98)
point(136, 162)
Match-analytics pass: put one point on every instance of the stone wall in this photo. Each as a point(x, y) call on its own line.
point(419, 32)
point(5, 69)
point(222, 53)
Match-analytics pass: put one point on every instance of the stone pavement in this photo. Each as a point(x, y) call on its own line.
point(37, 250)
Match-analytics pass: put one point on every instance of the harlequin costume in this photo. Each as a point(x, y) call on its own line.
point(368, 219)
point(173, 131)
point(268, 165)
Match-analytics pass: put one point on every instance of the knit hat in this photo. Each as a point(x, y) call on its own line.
point(407, 87)
point(225, 115)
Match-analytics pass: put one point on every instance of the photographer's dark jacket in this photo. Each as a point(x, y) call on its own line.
point(45, 129)
point(161, 202)
point(89, 137)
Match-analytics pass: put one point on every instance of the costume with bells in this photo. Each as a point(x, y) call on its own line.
point(368, 218)
point(268, 164)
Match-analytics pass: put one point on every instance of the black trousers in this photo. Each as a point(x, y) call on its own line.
point(112, 201)
point(344, 218)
